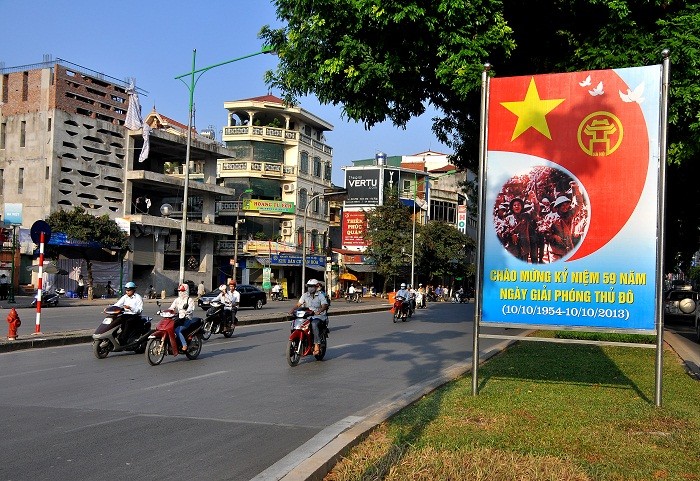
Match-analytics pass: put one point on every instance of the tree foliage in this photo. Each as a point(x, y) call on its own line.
point(390, 236)
point(441, 251)
point(79, 225)
point(390, 59)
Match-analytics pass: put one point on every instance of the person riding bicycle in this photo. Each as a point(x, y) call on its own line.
point(315, 299)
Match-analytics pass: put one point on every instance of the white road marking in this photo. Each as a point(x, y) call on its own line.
point(158, 386)
point(37, 371)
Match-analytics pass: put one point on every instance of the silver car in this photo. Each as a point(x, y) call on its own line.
point(682, 302)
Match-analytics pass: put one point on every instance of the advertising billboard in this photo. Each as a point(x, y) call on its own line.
point(362, 186)
point(571, 200)
point(353, 229)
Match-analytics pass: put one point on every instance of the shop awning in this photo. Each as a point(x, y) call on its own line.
point(316, 268)
point(361, 267)
point(346, 276)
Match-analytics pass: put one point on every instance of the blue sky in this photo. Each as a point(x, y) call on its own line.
point(153, 42)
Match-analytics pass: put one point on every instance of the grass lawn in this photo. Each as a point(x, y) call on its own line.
point(544, 412)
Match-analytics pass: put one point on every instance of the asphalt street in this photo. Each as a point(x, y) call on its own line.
point(237, 412)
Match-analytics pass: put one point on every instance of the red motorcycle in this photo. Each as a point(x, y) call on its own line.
point(301, 340)
point(400, 309)
point(164, 340)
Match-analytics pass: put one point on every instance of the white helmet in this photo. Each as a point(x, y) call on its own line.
point(312, 282)
point(222, 287)
point(403, 285)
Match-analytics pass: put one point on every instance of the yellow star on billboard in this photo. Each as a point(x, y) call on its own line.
point(532, 112)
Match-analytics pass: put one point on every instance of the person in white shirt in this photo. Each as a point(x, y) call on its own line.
point(132, 303)
point(184, 307)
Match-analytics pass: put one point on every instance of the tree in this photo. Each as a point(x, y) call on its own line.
point(389, 234)
point(441, 251)
point(388, 60)
point(95, 233)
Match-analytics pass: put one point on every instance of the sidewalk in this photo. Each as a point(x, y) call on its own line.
point(273, 311)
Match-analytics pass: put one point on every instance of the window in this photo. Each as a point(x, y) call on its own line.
point(304, 163)
point(328, 171)
point(5, 87)
point(20, 180)
point(46, 174)
point(3, 129)
point(316, 204)
point(325, 208)
point(317, 167)
point(23, 134)
point(48, 126)
point(25, 87)
point(302, 199)
point(2, 181)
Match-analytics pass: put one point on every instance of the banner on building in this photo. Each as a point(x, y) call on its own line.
point(571, 199)
point(354, 229)
point(362, 186)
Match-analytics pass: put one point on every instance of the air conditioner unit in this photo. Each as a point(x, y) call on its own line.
point(288, 187)
point(287, 223)
point(286, 231)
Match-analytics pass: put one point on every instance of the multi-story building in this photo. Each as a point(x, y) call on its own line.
point(425, 182)
point(281, 165)
point(63, 144)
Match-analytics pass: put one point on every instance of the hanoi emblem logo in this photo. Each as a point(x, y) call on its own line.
point(600, 134)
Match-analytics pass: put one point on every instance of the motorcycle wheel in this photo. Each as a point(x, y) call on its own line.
point(293, 357)
point(155, 351)
point(206, 330)
point(194, 347)
point(101, 351)
point(228, 333)
point(396, 316)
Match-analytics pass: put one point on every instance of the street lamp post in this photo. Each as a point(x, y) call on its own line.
point(235, 246)
point(191, 86)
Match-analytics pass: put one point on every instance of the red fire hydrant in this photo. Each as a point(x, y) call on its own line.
point(14, 322)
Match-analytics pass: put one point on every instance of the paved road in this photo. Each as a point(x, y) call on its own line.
point(234, 413)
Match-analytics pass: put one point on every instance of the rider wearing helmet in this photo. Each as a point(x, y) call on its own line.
point(184, 306)
point(314, 299)
point(132, 303)
point(403, 292)
point(230, 298)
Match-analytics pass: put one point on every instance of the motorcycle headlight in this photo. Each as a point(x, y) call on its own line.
point(107, 320)
point(300, 313)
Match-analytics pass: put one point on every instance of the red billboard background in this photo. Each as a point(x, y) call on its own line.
point(354, 228)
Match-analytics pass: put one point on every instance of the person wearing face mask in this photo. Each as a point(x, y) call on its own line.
point(132, 303)
point(314, 299)
point(184, 307)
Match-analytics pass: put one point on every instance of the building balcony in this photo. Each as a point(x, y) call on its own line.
point(229, 168)
point(257, 132)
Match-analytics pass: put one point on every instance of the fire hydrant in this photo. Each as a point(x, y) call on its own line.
point(14, 322)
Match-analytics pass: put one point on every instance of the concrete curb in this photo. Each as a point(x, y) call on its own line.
point(317, 465)
point(85, 335)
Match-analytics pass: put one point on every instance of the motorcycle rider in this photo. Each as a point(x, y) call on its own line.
point(351, 292)
point(132, 303)
point(277, 291)
point(314, 299)
point(422, 294)
point(184, 307)
point(403, 292)
point(412, 297)
point(230, 298)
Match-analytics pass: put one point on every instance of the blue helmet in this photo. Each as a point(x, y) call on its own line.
point(130, 285)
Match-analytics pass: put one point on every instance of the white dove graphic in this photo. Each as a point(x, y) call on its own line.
point(634, 95)
point(586, 82)
point(598, 90)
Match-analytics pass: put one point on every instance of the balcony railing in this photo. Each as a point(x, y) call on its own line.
point(260, 131)
point(268, 169)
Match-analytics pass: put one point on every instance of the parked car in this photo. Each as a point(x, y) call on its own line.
point(682, 302)
point(251, 296)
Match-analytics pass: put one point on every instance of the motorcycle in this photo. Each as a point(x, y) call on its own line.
point(459, 298)
point(48, 299)
point(214, 322)
point(301, 339)
point(106, 336)
point(420, 300)
point(354, 297)
point(401, 309)
point(276, 296)
point(164, 341)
